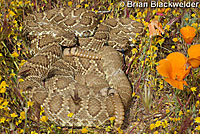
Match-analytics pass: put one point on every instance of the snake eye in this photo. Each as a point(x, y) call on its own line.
point(111, 91)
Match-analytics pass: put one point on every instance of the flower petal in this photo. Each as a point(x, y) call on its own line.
point(155, 28)
point(188, 33)
point(194, 51)
point(176, 83)
point(164, 68)
point(188, 40)
point(194, 62)
point(194, 55)
point(178, 62)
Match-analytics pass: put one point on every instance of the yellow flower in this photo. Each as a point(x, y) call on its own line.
point(177, 24)
point(15, 54)
point(132, 17)
point(158, 123)
point(78, 6)
point(21, 131)
point(22, 62)
point(156, 132)
point(197, 119)
point(165, 124)
point(18, 122)
point(156, 17)
point(27, 2)
point(154, 11)
point(8, 120)
point(11, 13)
point(139, 14)
point(145, 24)
point(86, 5)
point(59, 127)
point(2, 120)
point(133, 94)
point(138, 20)
point(166, 10)
point(175, 40)
point(167, 27)
point(197, 104)
point(42, 110)
point(1, 100)
point(180, 113)
point(198, 127)
point(112, 118)
point(12, 3)
point(134, 41)
point(33, 132)
point(22, 115)
point(44, 119)
point(160, 10)
point(5, 103)
point(173, 47)
point(13, 115)
point(161, 41)
point(30, 104)
point(193, 15)
point(12, 74)
point(152, 126)
point(20, 3)
point(120, 131)
point(70, 115)
point(70, 3)
point(108, 128)
point(1, 54)
point(136, 35)
point(1, 107)
point(2, 90)
point(15, 37)
point(195, 25)
point(178, 119)
point(193, 89)
point(3, 84)
point(167, 111)
point(84, 130)
point(20, 80)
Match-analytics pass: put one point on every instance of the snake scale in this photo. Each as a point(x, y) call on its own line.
point(76, 67)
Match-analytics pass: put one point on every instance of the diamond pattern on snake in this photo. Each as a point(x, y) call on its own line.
point(76, 67)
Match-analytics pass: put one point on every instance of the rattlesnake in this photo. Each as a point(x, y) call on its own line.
point(73, 70)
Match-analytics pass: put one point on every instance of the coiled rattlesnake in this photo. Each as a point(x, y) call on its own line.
point(73, 70)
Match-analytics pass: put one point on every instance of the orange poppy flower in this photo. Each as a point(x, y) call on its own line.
point(155, 28)
point(188, 33)
point(173, 68)
point(194, 55)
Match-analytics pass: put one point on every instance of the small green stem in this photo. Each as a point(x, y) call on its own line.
point(26, 109)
